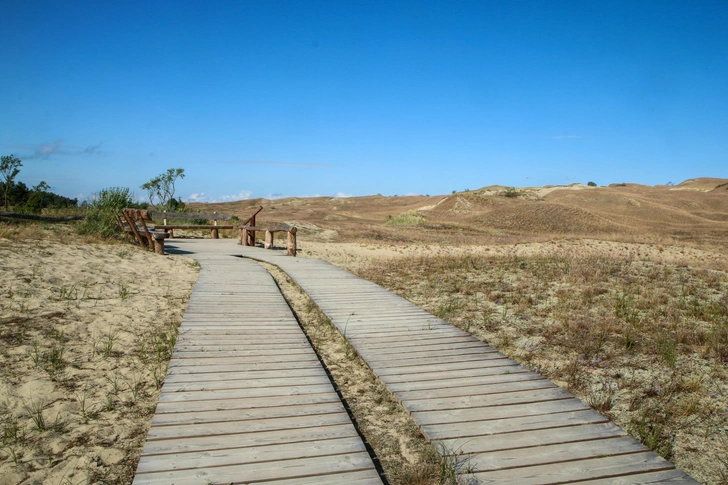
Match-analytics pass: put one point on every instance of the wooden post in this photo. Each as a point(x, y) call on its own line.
point(292, 241)
point(159, 245)
point(244, 236)
point(251, 234)
point(215, 234)
point(268, 244)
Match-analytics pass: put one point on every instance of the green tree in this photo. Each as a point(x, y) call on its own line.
point(9, 169)
point(592, 184)
point(162, 187)
point(37, 199)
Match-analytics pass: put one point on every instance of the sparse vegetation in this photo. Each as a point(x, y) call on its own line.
point(72, 383)
point(643, 342)
point(100, 218)
point(409, 218)
point(592, 184)
point(511, 192)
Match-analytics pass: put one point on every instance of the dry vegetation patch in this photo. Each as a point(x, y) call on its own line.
point(86, 332)
point(645, 343)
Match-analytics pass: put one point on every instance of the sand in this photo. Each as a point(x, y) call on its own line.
point(85, 336)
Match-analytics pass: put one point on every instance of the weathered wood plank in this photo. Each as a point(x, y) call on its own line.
point(557, 453)
point(608, 466)
point(256, 472)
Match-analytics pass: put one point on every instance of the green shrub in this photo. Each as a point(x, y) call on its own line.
point(409, 218)
point(592, 184)
point(511, 192)
point(100, 212)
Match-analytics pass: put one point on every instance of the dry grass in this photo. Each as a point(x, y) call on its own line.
point(645, 343)
point(405, 456)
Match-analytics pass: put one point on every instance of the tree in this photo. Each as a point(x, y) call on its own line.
point(9, 169)
point(592, 184)
point(162, 187)
point(36, 201)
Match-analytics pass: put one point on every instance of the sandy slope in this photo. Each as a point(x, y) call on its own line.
point(85, 334)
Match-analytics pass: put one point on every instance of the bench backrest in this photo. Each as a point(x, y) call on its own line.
point(208, 216)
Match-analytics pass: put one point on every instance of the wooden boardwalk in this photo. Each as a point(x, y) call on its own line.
point(511, 425)
point(246, 400)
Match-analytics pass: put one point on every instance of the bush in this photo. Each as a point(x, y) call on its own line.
point(511, 192)
point(592, 184)
point(409, 218)
point(100, 212)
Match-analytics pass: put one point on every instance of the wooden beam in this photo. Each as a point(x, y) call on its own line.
point(214, 216)
point(269, 228)
point(133, 228)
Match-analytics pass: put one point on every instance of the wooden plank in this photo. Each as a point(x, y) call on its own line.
point(244, 383)
point(558, 453)
point(499, 377)
point(605, 467)
point(511, 425)
point(242, 403)
point(528, 439)
point(174, 416)
point(246, 426)
point(256, 472)
point(476, 361)
point(259, 454)
point(670, 477)
point(364, 477)
point(472, 414)
point(473, 391)
point(435, 373)
point(233, 373)
point(270, 392)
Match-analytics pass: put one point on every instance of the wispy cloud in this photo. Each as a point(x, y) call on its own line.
point(342, 195)
point(565, 137)
point(202, 197)
point(45, 151)
point(280, 164)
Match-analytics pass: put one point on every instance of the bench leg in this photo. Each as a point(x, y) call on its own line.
point(292, 242)
point(159, 246)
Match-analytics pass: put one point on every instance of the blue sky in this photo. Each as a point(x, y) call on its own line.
point(276, 98)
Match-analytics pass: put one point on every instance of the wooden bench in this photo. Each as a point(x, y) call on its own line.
point(214, 217)
point(246, 236)
point(132, 222)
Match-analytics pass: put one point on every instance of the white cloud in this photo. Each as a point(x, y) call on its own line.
point(280, 164)
point(342, 195)
point(44, 151)
point(202, 197)
point(242, 195)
